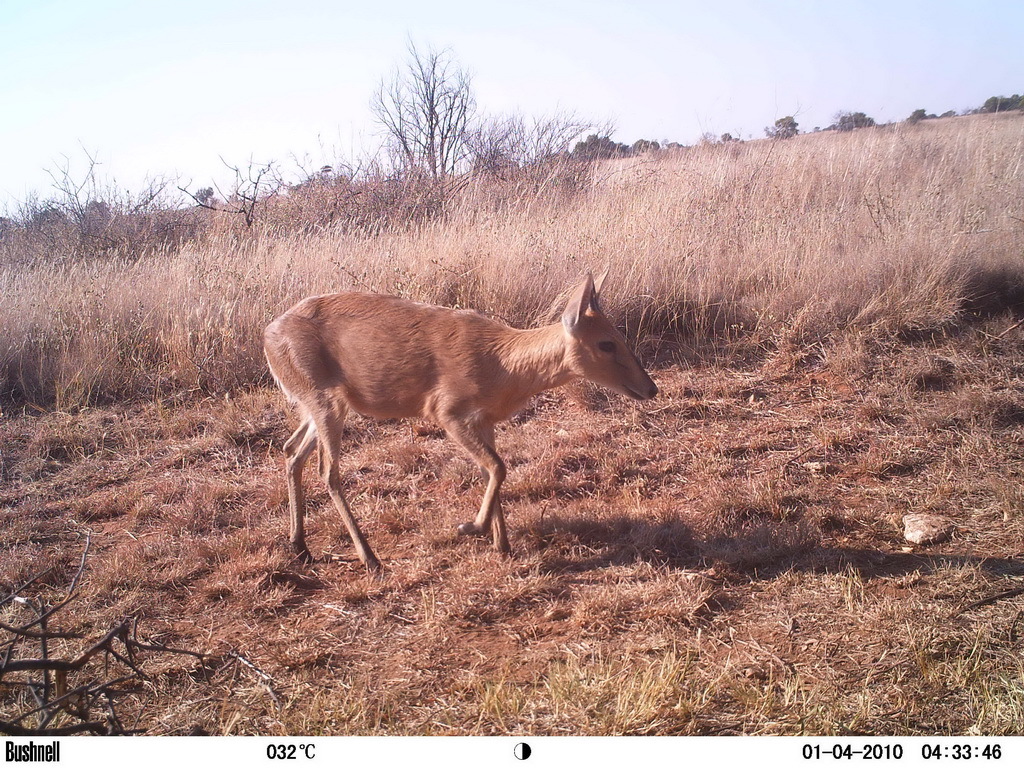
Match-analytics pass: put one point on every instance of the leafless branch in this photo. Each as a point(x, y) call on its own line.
point(26, 585)
point(45, 678)
point(989, 600)
point(248, 192)
point(265, 679)
point(99, 728)
point(426, 110)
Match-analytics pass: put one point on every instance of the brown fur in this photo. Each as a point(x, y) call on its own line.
point(387, 357)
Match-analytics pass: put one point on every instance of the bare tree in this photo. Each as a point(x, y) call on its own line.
point(250, 190)
point(504, 143)
point(426, 109)
point(88, 216)
point(92, 205)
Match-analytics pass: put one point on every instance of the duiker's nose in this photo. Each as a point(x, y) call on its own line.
point(652, 391)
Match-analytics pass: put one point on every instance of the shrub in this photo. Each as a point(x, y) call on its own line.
point(1003, 103)
point(599, 148)
point(784, 128)
point(917, 116)
point(848, 121)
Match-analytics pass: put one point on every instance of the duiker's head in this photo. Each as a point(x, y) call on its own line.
point(598, 352)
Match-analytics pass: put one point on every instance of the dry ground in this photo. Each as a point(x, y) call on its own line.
point(725, 559)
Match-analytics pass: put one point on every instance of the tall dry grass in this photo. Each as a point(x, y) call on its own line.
point(893, 229)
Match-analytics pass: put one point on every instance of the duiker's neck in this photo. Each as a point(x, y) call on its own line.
point(536, 359)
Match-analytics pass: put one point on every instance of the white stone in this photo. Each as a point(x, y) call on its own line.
point(926, 529)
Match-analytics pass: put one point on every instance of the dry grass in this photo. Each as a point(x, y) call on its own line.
point(727, 559)
point(895, 230)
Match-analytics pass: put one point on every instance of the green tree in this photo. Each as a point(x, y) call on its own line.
point(598, 148)
point(784, 128)
point(1003, 103)
point(848, 121)
point(644, 145)
point(917, 116)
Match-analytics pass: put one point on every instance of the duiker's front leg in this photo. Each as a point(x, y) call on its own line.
point(478, 440)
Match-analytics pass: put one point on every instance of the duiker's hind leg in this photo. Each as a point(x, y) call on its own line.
point(297, 450)
point(478, 440)
point(329, 423)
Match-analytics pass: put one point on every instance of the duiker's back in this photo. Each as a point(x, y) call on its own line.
point(387, 355)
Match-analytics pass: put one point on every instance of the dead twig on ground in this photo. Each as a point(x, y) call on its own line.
point(265, 679)
point(45, 678)
point(989, 600)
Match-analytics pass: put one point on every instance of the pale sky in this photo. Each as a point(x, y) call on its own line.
point(167, 88)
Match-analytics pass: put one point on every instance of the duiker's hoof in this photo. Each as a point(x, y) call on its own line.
point(469, 529)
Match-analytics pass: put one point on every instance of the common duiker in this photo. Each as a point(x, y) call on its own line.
point(387, 357)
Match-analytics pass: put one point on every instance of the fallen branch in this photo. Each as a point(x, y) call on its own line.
point(52, 697)
point(98, 728)
point(266, 679)
point(997, 337)
point(989, 600)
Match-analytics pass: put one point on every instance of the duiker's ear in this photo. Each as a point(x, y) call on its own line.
point(599, 283)
point(580, 300)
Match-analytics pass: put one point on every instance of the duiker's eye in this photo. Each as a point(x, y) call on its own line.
point(606, 346)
